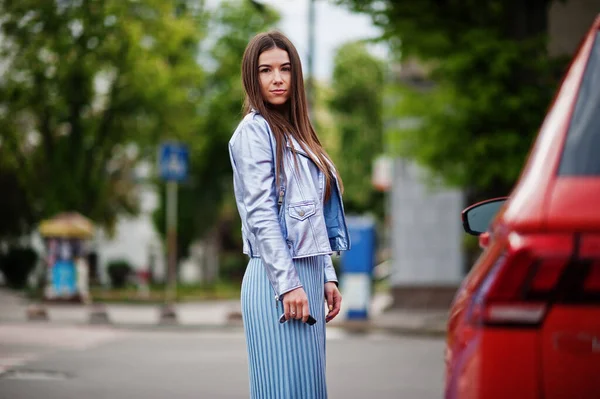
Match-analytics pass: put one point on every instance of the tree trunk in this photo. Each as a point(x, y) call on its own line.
point(527, 19)
point(210, 264)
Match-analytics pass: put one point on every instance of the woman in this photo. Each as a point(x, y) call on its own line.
point(288, 195)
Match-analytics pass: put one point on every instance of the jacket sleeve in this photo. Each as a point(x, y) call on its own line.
point(252, 154)
point(330, 275)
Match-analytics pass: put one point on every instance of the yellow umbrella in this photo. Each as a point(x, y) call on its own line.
point(67, 225)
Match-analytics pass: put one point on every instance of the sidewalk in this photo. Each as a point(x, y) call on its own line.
point(219, 314)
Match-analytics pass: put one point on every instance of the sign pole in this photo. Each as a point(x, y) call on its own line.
point(173, 165)
point(172, 240)
point(168, 314)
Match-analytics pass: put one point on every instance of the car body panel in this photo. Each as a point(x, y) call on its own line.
point(579, 212)
point(498, 363)
point(571, 352)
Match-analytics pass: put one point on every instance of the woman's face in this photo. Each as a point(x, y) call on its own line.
point(275, 76)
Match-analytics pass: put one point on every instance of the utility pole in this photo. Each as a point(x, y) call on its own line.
point(310, 86)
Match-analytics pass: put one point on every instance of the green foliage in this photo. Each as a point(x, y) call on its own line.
point(220, 290)
point(479, 122)
point(16, 266)
point(119, 272)
point(89, 88)
point(492, 83)
point(232, 266)
point(357, 102)
point(206, 200)
point(15, 211)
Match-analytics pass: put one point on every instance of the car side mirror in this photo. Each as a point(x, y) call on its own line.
point(477, 218)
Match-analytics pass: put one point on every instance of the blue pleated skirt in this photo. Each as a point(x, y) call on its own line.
point(286, 361)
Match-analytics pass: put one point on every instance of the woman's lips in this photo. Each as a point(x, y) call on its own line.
point(278, 91)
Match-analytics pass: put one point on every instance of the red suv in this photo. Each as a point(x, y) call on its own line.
point(526, 321)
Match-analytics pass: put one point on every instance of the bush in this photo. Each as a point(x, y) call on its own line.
point(232, 266)
point(16, 265)
point(119, 272)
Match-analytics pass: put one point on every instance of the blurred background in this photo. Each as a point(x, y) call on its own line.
point(425, 106)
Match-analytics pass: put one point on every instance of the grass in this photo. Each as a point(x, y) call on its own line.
point(382, 286)
point(185, 293)
point(156, 293)
point(221, 290)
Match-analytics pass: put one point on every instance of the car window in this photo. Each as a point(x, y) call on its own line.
point(580, 155)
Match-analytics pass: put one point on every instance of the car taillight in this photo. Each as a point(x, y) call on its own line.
point(589, 251)
point(521, 284)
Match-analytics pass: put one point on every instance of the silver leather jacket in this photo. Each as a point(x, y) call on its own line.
point(283, 223)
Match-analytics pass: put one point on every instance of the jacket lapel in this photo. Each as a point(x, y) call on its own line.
point(293, 145)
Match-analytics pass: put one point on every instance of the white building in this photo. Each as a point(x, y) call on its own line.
point(135, 239)
point(426, 239)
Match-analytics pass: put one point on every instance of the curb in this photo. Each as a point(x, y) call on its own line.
point(98, 316)
point(364, 327)
point(368, 326)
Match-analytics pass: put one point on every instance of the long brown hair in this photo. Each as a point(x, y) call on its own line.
point(294, 121)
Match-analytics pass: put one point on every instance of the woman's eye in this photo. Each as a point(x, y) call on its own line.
point(263, 70)
point(286, 69)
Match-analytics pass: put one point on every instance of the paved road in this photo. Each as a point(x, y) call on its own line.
point(99, 362)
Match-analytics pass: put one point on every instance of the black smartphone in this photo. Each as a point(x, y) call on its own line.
point(311, 320)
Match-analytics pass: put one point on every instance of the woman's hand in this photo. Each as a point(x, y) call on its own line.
point(295, 305)
point(334, 300)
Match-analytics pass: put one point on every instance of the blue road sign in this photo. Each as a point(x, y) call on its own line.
point(173, 161)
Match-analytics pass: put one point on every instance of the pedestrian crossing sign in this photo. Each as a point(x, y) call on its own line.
point(173, 161)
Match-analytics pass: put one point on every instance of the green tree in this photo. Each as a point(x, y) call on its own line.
point(87, 88)
point(357, 105)
point(207, 210)
point(492, 82)
point(15, 212)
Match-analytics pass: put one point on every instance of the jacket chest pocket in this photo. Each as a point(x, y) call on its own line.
point(302, 210)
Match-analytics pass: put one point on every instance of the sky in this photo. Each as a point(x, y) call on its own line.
point(335, 25)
